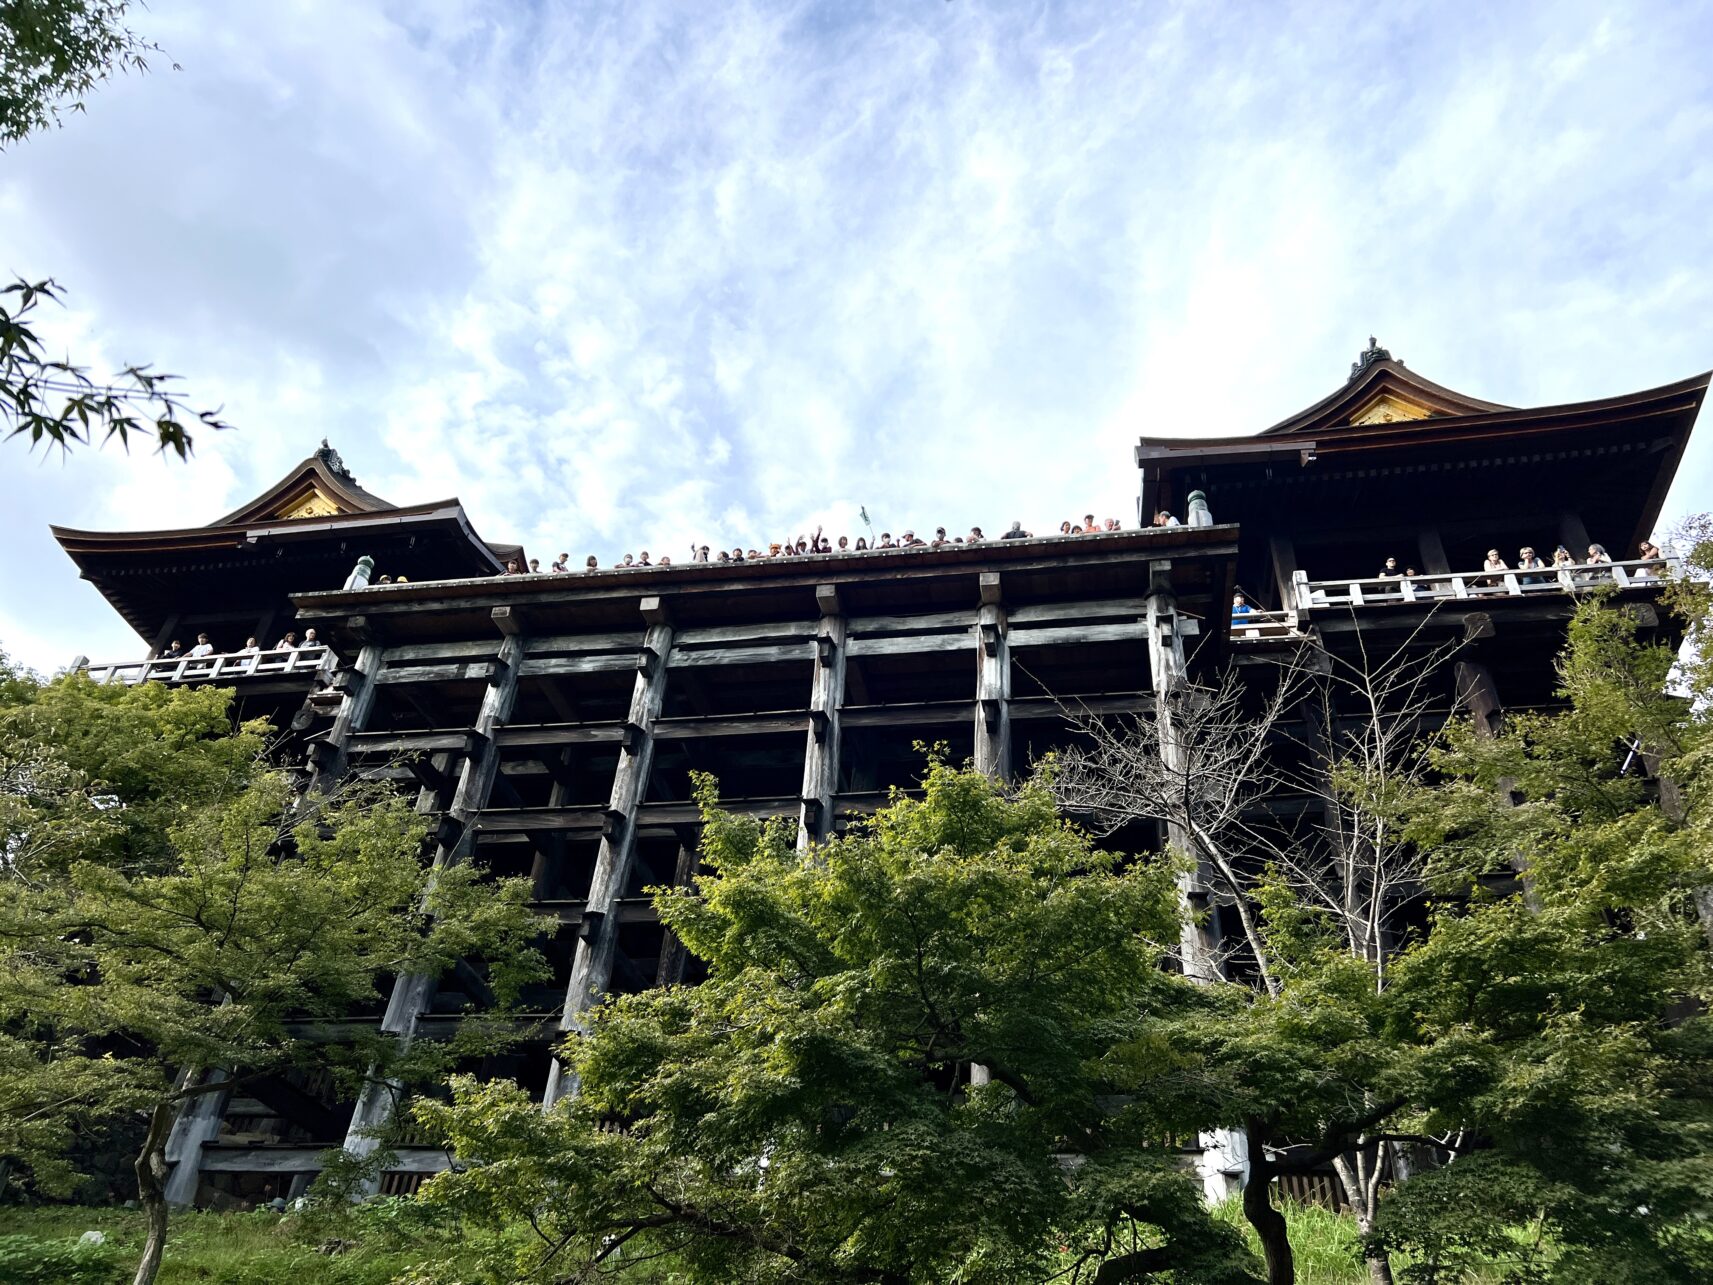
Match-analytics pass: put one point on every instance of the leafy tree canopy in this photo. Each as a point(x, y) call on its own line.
point(1564, 1018)
point(174, 918)
point(808, 1113)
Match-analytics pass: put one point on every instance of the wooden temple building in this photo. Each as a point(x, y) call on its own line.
point(550, 723)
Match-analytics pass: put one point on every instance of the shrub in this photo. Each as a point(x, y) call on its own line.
point(31, 1260)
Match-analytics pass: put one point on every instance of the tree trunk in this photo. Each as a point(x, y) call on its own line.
point(1268, 1222)
point(151, 1189)
point(1359, 1194)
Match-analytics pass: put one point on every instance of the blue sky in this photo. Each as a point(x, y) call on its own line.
point(635, 274)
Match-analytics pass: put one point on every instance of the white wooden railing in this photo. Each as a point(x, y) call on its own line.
point(1481, 584)
point(225, 667)
point(1264, 625)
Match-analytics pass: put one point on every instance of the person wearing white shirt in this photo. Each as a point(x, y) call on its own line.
point(203, 647)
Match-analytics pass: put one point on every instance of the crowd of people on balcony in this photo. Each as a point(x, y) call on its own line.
point(1530, 570)
point(815, 544)
point(1535, 570)
point(204, 648)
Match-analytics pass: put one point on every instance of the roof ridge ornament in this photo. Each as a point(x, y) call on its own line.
point(330, 457)
point(1369, 356)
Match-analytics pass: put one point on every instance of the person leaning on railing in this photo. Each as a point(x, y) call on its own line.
point(1651, 557)
point(1494, 563)
point(1528, 560)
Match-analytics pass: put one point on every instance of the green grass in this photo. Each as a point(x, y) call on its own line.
point(390, 1243)
point(227, 1249)
point(1324, 1243)
point(1328, 1252)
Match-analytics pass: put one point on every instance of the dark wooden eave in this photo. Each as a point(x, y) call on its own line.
point(1655, 422)
point(149, 576)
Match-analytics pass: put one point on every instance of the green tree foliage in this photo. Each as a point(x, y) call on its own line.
point(53, 53)
point(1538, 1060)
point(808, 1113)
point(1561, 1024)
point(169, 907)
point(53, 402)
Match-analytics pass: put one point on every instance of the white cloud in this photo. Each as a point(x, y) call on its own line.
point(631, 275)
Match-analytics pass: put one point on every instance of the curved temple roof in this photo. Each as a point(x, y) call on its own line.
point(1390, 447)
point(304, 532)
point(319, 486)
point(1381, 390)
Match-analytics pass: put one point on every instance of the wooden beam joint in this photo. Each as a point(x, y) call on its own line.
point(589, 927)
point(613, 822)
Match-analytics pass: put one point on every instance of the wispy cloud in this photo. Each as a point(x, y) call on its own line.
point(629, 275)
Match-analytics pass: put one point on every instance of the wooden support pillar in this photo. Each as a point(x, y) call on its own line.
point(329, 754)
point(163, 640)
point(826, 698)
point(1478, 694)
point(1170, 678)
point(1432, 549)
point(198, 1123)
point(548, 865)
point(414, 992)
point(1573, 535)
point(1223, 1161)
point(672, 953)
point(993, 683)
point(598, 942)
point(1283, 554)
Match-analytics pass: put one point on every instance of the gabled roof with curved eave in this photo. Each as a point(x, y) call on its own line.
point(302, 534)
point(323, 473)
point(1376, 375)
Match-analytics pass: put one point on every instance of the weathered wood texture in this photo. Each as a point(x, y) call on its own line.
point(821, 746)
point(414, 992)
point(354, 708)
point(993, 689)
point(597, 945)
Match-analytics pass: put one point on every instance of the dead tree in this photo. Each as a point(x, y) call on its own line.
point(1300, 781)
